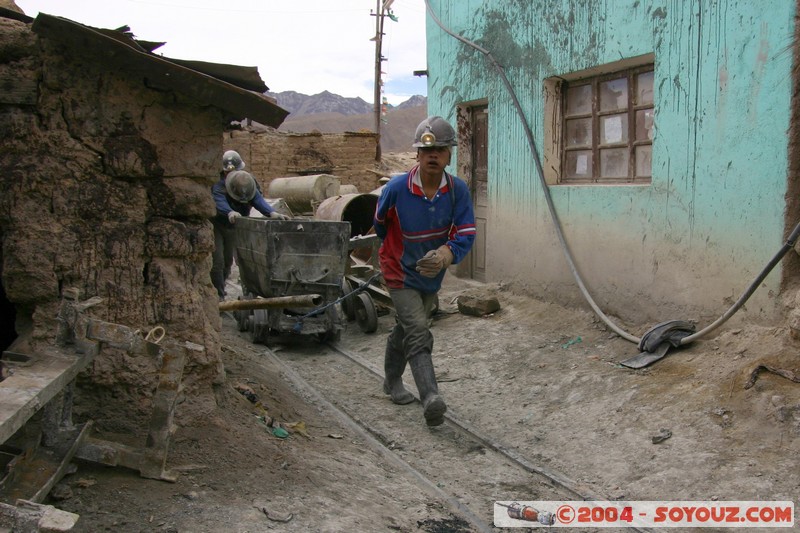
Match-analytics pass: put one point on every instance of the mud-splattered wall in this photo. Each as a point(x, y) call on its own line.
point(686, 245)
point(271, 154)
point(106, 187)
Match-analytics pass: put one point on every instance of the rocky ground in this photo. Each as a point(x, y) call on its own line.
point(535, 377)
point(540, 378)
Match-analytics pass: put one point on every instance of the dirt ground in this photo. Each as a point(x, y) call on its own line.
point(542, 379)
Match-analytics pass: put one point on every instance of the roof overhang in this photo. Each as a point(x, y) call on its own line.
point(177, 75)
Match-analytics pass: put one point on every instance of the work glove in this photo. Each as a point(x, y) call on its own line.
point(435, 261)
point(232, 216)
point(278, 216)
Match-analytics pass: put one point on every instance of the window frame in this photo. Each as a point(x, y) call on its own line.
point(630, 74)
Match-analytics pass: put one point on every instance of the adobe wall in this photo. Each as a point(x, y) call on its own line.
point(106, 188)
point(272, 154)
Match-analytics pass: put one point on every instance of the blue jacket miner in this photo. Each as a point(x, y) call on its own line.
point(425, 221)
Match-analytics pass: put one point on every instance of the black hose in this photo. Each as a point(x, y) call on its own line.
point(750, 290)
point(540, 172)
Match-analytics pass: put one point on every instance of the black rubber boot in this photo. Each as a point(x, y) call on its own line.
point(394, 364)
point(219, 283)
point(425, 378)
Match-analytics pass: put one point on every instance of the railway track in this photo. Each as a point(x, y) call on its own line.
point(456, 463)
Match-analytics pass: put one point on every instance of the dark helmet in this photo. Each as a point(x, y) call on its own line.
point(241, 186)
point(434, 131)
point(231, 160)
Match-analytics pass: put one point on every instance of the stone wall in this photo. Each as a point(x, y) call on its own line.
point(106, 188)
point(271, 154)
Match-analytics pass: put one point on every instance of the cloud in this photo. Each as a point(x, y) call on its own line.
point(307, 46)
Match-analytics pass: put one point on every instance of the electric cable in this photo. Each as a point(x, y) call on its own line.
point(557, 224)
point(788, 245)
point(298, 325)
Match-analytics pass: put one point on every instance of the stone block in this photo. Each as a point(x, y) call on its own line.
point(477, 304)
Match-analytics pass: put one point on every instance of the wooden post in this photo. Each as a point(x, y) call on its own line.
point(301, 300)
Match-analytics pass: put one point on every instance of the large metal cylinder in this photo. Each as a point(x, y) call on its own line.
point(303, 193)
point(357, 209)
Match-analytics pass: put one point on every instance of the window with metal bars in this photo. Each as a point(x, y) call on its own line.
point(607, 128)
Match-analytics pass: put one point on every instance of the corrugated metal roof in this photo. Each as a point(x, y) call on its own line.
point(235, 89)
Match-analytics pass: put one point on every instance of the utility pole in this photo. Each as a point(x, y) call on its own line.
point(380, 13)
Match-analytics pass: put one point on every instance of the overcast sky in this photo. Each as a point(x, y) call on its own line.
point(307, 46)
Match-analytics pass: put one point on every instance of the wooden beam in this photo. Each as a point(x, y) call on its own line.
point(300, 300)
point(33, 384)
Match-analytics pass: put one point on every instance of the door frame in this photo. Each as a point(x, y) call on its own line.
point(464, 167)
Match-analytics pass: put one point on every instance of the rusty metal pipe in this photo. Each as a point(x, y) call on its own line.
point(301, 300)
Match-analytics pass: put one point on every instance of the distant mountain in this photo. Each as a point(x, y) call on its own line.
point(414, 101)
point(325, 102)
point(330, 113)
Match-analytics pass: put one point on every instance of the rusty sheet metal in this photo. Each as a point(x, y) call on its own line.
point(357, 209)
point(161, 72)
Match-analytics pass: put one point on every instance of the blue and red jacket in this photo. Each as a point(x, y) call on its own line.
point(410, 226)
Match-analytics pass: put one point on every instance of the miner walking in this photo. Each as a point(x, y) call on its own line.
point(425, 221)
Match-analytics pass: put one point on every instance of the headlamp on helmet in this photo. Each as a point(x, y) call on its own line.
point(427, 138)
point(434, 132)
point(231, 160)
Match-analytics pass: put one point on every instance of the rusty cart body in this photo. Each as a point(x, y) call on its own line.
point(289, 258)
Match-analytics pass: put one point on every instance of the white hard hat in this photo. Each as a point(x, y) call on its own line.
point(231, 160)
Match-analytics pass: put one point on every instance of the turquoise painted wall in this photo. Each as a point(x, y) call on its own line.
point(685, 246)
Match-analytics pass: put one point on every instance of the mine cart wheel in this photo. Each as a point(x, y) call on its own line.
point(259, 326)
point(334, 332)
point(366, 314)
point(242, 320)
point(331, 336)
point(243, 316)
point(348, 304)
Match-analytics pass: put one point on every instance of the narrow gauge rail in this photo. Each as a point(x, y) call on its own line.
point(455, 462)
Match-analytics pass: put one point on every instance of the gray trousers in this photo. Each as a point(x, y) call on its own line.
point(222, 258)
point(411, 334)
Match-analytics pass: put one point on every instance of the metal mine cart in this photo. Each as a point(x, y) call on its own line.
point(284, 258)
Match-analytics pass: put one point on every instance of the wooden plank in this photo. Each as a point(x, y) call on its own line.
point(32, 386)
point(30, 516)
point(169, 386)
point(40, 472)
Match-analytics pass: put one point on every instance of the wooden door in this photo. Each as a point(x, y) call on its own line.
point(479, 185)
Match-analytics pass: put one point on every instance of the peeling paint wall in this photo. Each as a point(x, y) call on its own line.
point(688, 244)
